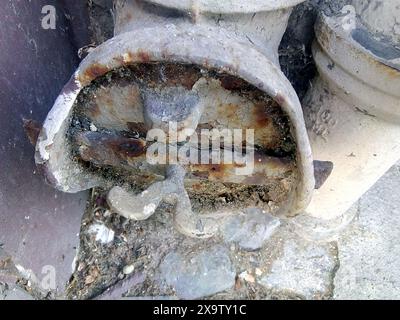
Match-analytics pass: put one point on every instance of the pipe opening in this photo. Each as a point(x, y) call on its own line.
point(112, 118)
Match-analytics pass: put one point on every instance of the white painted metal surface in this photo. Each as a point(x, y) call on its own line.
point(353, 116)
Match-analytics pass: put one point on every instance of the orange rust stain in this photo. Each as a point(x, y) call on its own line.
point(129, 148)
point(212, 171)
point(232, 83)
point(94, 71)
point(197, 187)
point(260, 115)
point(104, 148)
point(181, 75)
point(188, 81)
point(143, 56)
point(390, 71)
point(229, 111)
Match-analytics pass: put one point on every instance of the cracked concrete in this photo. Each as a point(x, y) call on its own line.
point(306, 270)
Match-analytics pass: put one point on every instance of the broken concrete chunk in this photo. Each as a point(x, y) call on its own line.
point(135, 207)
point(102, 233)
point(195, 275)
point(251, 229)
point(304, 270)
point(248, 277)
point(128, 269)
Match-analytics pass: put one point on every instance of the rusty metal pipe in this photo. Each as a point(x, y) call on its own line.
point(126, 153)
point(260, 24)
point(238, 46)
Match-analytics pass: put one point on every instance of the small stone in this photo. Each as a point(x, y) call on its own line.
point(74, 264)
point(251, 229)
point(149, 209)
point(89, 280)
point(259, 272)
point(102, 233)
point(305, 269)
point(93, 128)
point(199, 274)
point(128, 269)
point(247, 277)
point(81, 266)
point(93, 275)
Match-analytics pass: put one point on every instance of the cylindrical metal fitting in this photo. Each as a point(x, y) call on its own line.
point(227, 7)
point(352, 115)
point(255, 23)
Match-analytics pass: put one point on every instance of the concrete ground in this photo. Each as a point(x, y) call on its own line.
point(369, 250)
point(364, 263)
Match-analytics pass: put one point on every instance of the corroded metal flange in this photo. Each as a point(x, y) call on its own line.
point(224, 63)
